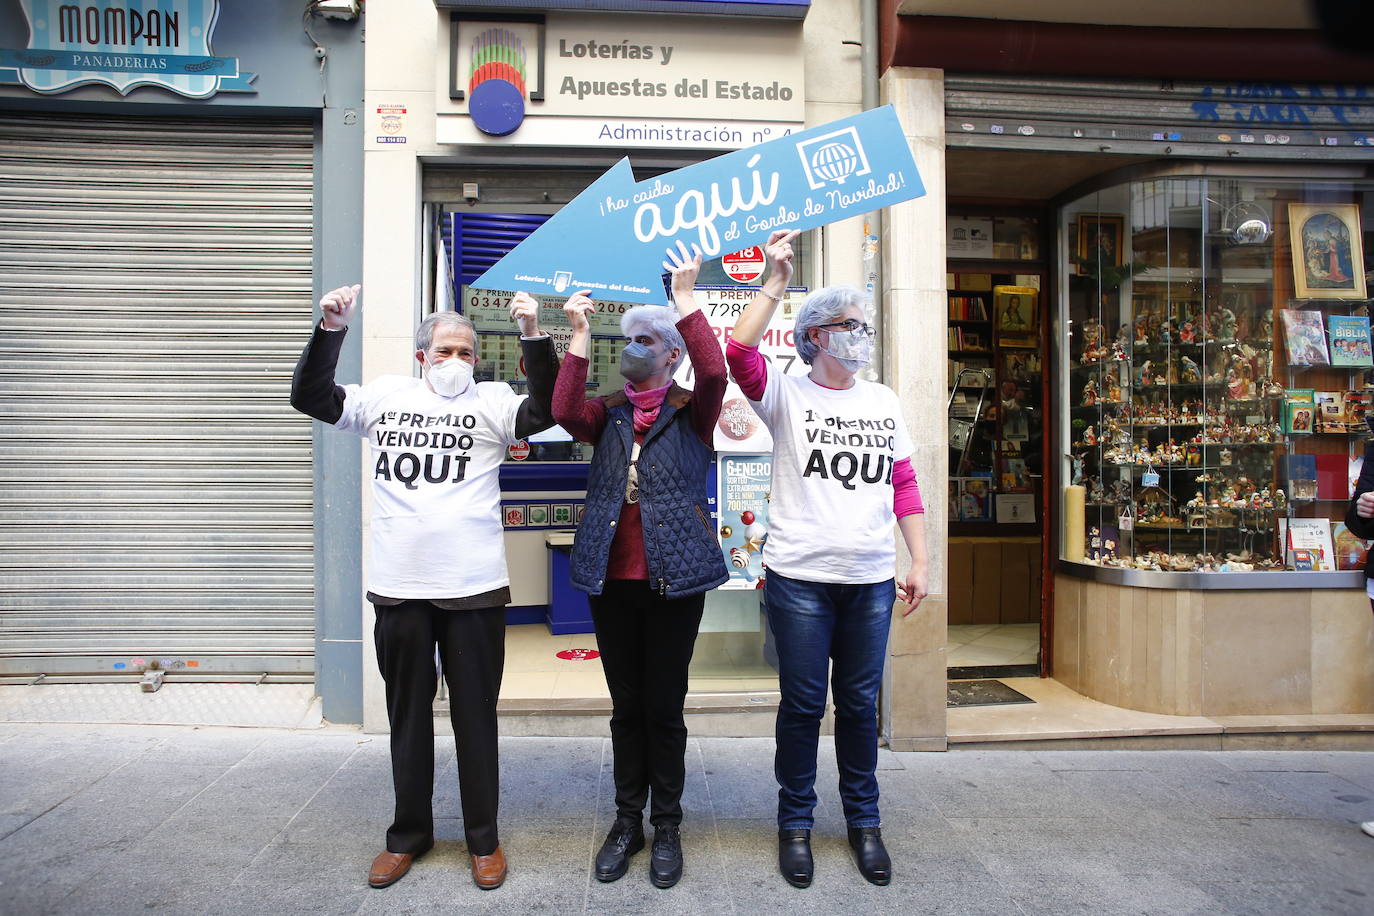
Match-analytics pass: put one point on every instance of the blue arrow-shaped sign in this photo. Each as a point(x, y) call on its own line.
point(611, 238)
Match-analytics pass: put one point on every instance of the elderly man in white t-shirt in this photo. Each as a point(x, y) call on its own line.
point(438, 572)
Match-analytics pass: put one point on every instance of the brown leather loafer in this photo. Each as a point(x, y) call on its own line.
point(389, 867)
point(489, 871)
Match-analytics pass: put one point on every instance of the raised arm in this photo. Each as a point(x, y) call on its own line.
point(582, 418)
point(535, 413)
point(313, 391)
point(708, 363)
point(742, 351)
point(684, 266)
point(753, 321)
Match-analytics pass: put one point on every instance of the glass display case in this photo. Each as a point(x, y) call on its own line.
point(1214, 374)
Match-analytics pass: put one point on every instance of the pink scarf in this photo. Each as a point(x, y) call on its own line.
point(646, 405)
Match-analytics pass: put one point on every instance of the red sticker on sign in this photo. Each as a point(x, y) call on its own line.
point(520, 450)
point(578, 655)
point(745, 265)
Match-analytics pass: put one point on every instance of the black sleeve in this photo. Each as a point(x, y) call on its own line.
point(313, 390)
point(535, 413)
point(1359, 526)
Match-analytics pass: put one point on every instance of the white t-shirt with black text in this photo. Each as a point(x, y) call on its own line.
point(436, 496)
point(830, 518)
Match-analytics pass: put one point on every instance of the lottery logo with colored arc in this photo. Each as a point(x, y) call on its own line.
point(496, 81)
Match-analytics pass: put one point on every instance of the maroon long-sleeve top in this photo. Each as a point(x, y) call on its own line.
point(585, 418)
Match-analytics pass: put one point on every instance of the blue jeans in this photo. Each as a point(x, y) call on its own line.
point(814, 623)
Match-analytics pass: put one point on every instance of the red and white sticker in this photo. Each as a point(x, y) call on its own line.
point(578, 655)
point(520, 450)
point(745, 265)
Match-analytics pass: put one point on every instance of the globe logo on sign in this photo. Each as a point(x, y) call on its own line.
point(834, 162)
point(834, 158)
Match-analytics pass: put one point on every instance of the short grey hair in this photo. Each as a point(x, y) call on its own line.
point(660, 321)
point(824, 306)
point(424, 334)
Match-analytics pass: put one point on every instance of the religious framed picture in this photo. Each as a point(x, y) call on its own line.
point(1100, 236)
point(1014, 316)
point(1328, 256)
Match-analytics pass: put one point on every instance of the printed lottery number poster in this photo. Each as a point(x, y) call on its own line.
point(745, 484)
point(739, 429)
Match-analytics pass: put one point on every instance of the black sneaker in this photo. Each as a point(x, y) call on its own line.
point(871, 854)
point(613, 860)
point(665, 863)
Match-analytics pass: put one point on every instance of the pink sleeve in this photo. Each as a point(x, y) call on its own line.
point(906, 494)
point(748, 367)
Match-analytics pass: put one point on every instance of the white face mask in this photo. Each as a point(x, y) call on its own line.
point(854, 349)
point(449, 378)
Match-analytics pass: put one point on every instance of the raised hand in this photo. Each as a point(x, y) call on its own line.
point(684, 266)
point(579, 308)
point(337, 306)
point(524, 311)
point(777, 251)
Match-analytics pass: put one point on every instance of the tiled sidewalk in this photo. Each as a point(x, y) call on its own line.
point(134, 819)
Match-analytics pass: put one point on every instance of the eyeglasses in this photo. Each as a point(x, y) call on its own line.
point(850, 324)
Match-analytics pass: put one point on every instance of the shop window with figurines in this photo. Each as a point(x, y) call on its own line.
point(1216, 374)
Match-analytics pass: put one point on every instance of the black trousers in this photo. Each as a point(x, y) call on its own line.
point(472, 647)
point(646, 644)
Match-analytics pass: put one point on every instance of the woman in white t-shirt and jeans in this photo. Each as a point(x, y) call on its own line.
point(841, 477)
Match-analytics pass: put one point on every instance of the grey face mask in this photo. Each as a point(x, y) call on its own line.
point(638, 362)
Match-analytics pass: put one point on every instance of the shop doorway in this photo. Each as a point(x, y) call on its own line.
point(996, 291)
point(1001, 249)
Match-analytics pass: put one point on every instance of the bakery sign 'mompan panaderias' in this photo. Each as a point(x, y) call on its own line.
point(123, 44)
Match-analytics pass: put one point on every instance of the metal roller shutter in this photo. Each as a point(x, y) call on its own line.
point(155, 485)
point(1233, 121)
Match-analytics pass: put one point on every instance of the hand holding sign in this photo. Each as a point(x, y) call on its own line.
point(778, 253)
point(684, 268)
point(578, 308)
point(524, 311)
point(337, 306)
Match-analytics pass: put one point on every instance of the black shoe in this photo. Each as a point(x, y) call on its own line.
point(794, 856)
point(874, 864)
point(665, 862)
point(613, 860)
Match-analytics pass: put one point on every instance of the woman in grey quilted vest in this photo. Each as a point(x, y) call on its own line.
point(646, 550)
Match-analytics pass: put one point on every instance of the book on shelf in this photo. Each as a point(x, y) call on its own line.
point(1350, 340)
point(1333, 476)
point(975, 497)
point(1330, 411)
point(967, 308)
point(1308, 545)
point(1305, 337)
point(1351, 552)
point(963, 339)
point(1299, 411)
point(1300, 471)
point(1356, 410)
